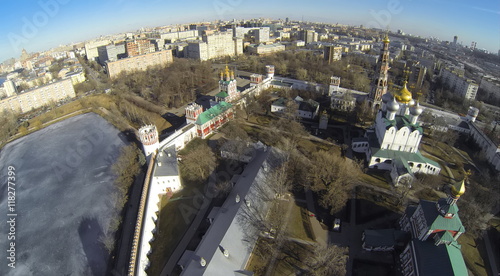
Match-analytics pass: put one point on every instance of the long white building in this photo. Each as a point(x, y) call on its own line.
point(39, 96)
point(214, 46)
point(461, 86)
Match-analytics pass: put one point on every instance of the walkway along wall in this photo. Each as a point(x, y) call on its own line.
point(140, 215)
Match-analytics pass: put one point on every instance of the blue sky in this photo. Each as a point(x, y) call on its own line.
point(41, 24)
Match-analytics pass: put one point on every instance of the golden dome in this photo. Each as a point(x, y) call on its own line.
point(458, 189)
point(403, 95)
point(386, 39)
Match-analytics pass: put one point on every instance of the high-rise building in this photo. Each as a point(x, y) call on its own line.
point(473, 45)
point(139, 47)
point(10, 88)
point(455, 40)
point(91, 48)
point(262, 35)
point(214, 46)
point(332, 53)
point(417, 74)
point(111, 52)
point(308, 36)
point(379, 87)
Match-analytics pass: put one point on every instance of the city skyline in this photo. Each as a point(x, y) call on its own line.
point(50, 23)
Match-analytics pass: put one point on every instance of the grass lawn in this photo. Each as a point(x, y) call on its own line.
point(375, 178)
point(299, 225)
point(427, 194)
point(473, 253)
point(291, 258)
point(258, 259)
point(172, 224)
point(386, 201)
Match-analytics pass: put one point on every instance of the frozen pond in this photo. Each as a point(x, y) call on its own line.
point(63, 185)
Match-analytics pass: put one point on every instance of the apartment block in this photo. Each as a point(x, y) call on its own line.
point(138, 63)
point(38, 97)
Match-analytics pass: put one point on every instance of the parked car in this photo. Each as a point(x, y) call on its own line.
point(336, 225)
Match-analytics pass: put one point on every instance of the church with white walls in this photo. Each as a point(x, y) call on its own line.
point(392, 144)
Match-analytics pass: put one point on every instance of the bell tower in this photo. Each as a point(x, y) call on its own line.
point(379, 87)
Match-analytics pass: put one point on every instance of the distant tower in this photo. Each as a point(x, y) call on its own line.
point(379, 87)
point(270, 71)
point(24, 55)
point(472, 114)
point(149, 137)
point(192, 112)
point(228, 84)
point(455, 40)
point(334, 85)
point(473, 45)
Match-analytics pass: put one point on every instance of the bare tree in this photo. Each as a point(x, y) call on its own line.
point(198, 163)
point(327, 260)
point(332, 177)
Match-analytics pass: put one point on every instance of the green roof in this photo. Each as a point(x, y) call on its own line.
point(280, 102)
point(436, 221)
point(222, 94)
point(409, 156)
point(402, 121)
point(456, 259)
point(446, 236)
point(213, 112)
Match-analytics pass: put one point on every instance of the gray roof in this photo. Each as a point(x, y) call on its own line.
point(166, 162)
point(383, 237)
point(227, 231)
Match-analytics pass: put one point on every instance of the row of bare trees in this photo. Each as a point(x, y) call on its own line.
point(126, 167)
point(171, 86)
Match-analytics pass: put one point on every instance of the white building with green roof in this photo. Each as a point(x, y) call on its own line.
point(392, 144)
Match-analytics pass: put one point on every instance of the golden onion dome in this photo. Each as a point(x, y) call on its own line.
point(458, 189)
point(386, 39)
point(403, 95)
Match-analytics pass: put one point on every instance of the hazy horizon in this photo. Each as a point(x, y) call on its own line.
point(50, 23)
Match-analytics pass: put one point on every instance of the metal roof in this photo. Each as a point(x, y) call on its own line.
point(213, 112)
point(166, 162)
point(227, 232)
